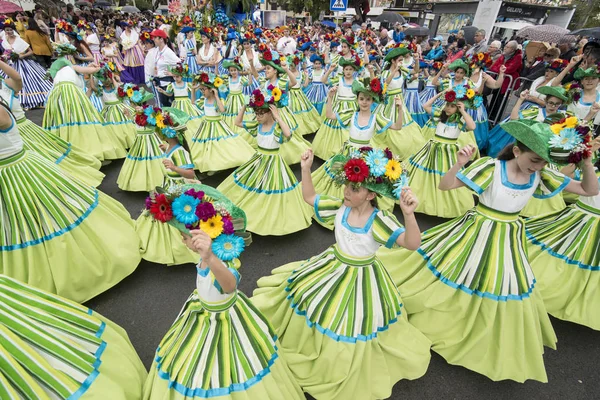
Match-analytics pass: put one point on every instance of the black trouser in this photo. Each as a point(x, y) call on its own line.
point(46, 61)
point(165, 101)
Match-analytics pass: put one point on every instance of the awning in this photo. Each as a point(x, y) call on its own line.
point(515, 25)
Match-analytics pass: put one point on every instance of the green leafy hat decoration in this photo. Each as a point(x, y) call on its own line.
point(460, 63)
point(371, 87)
point(593, 72)
point(400, 50)
point(535, 135)
point(554, 91)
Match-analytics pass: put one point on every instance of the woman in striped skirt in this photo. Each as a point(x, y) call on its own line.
point(59, 234)
point(265, 187)
point(73, 161)
point(309, 120)
point(470, 288)
point(56, 348)
point(220, 346)
point(35, 84)
point(134, 55)
point(338, 315)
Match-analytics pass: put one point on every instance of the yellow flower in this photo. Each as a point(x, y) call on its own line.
point(480, 56)
point(556, 128)
point(111, 65)
point(218, 82)
point(470, 94)
point(277, 94)
point(393, 169)
point(384, 91)
point(213, 227)
point(567, 86)
point(160, 121)
point(571, 122)
point(129, 92)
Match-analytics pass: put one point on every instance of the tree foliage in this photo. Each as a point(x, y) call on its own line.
point(587, 14)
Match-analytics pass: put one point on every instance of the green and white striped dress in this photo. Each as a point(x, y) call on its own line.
point(339, 316)
point(182, 101)
point(221, 346)
point(309, 120)
point(234, 102)
point(470, 288)
point(114, 116)
point(53, 348)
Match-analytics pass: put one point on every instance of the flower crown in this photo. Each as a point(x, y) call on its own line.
point(377, 170)
point(273, 95)
point(149, 116)
point(185, 21)
point(210, 80)
point(8, 21)
point(267, 55)
point(186, 208)
point(64, 26)
point(146, 36)
point(437, 65)
point(558, 65)
point(136, 95)
point(106, 71)
point(464, 94)
point(207, 31)
point(571, 141)
point(481, 60)
point(574, 91)
point(180, 70)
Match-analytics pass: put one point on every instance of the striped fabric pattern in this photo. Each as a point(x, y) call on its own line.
point(481, 253)
point(35, 85)
point(265, 173)
point(208, 354)
point(134, 57)
point(68, 348)
point(415, 107)
point(35, 209)
point(182, 159)
point(355, 299)
point(389, 109)
point(572, 235)
point(185, 104)
point(146, 147)
point(44, 143)
point(435, 157)
point(68, 106)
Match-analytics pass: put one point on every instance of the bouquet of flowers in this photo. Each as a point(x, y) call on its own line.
point(189, 207)
point(481, 60)
point(273, 95)
point(377, 170)
point(574, 91)
point(571, 141)
point(136, 95)
point(148, 116)
point(10, 55)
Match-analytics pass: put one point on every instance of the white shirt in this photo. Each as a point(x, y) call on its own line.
point(163, 59)
point(286, 45)
point(150, 63)
point(19, 46)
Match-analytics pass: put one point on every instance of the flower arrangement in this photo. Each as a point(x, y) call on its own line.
point(180, 70)
point(574, 91)
point(64, 26)
point(211, 80)
point(135, 94)
point(481, 60)
point(189, 207)
point(273, 95)
point(571, 141)
point(464, 94)
point(148, 116)
point(437, 65)
point(558, 65)
point(10, 55)
point(64, 49)
point(375, 169)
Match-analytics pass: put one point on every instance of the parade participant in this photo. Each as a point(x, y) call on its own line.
point(191, 53)
point(272, 203)
point(316, 85)
point(286, 45)
point(365, 329)
point(91, 38)
point(229, 50)
point(164, 58)
point(309, 120)
point(214, 146)
point(208, 55)
point(218, 323)
point(134, 55)
point(587, 104)
point(470, 288)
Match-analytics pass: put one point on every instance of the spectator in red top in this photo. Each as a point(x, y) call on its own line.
point(512, 58)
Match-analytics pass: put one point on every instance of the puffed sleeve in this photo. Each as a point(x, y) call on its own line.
point(278, 133)
point(479, 175)
point(244, 81)
point(326, 207)
point(386, 229)
point(382, 123)
point(251, 127)
point(345, 117)
point(181, 158)
point(283, 82)
point(530, 113)
point(169, 88)
point(551, 184)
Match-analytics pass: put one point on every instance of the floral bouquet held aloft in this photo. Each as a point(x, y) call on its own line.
point(571, 141)
point(197, 206)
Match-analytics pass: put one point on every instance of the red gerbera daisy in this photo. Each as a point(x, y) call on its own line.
point(450, 96)
point(356, 170)
point(161, 209)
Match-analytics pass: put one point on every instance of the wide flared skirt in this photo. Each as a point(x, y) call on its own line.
point(60, 235)
point(70, 115)
point(292, 150)
point(35, 84)
point(309, 120)
point(143, 169)
point(268, 192)
point(185, 104)
point(115, 116)
point(470, 289)
point(56, 150)
point(403, 143)
point(316, 92)
point(215, 147)
point(233, 105)
point(464, 139)
point(482, 129)
point(162, 243)
point(231, 355)
point(329, 139)
point(342, 327)
point(426, 169)
point(54, 348)
point(498, 140)
point(415, 107)
point(538, 207)
point(564, 249)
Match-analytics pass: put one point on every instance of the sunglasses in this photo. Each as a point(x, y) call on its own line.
point(551, 103)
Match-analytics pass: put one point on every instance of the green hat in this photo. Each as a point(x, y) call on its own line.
point(395, 52)
point(209, 80)
point(354, 62)
point(593, 72)
point(460, 63)
point(178, 119)
point(139, 96)
point(232, 63)
point(535, 135)
point(554, 91)
point(57, 66)
point(179, 70)
point(371, 87)
point(271, 58)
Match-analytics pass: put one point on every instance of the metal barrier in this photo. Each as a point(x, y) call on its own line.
point(505, 98)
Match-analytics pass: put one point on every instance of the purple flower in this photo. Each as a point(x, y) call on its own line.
point(197, 194)
point(149, 202)
point(388, 153)
point(582, 130)
point(575, 157)
point(205, 211)
point(366, 148)
point(379, 180)
point(228, 227)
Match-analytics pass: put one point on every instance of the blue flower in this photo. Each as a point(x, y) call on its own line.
point(184, 209)
point(284, 100)
point(137, 97)
point(169, 132)
point(151, 120)
point(376, 160)
point(228, 247)
point(567, 139)
point(477, 101)
point(399, 185)
point(148, 111)
point(461, 91)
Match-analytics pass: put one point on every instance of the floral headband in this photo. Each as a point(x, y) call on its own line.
point(465, 95)
point(135, 94)
point(272, 96)
point(211, 80)
point(571, 141)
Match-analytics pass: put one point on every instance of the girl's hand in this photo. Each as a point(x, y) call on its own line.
point(595, 108)
point(524, 95)
point(464, 155)
point(332, 67)
point(575, 60)
point(502, 69)
point(461, 107)
point(408, 201)
point(187, 240)
point(307, 159)
point(595, 144)
point(168, 164)
point(215, 92)
point(332, 91)
point(275, 112)
point(202, 244)
point(398, 102)
point(163, 146)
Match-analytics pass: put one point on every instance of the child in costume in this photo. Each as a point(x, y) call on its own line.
point(409, 140)
point(414, 105)
point(265, 186)
point(191, 51)
point(133, 59)
point(470, 288)
point(429, 164)
point(161, 243)
point(362, 125)
point(229, 50)
point(143, 168)
point(430, 90)
point(316, 85)
point(220, 345)
point(309, 120)
point(331, 136)
point(215, 146)
point(62, 350)
point(339, 318)
point(58, 233)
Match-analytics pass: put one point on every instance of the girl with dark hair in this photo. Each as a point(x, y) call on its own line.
point(134, 54)
point(39, 42)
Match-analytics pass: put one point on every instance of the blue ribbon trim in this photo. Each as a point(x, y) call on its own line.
point(118, 123)
point(392, 240)
point(554, 193)
point(255, 190)
point(74, 124)
point(214, 139)
point(562, 257)
point(469, 183)
point(470, 291)
point(59, 159)
point(91, 377)
point(57, 233)
point(145, 158)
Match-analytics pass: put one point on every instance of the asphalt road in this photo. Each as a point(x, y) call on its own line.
point(147, 302)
